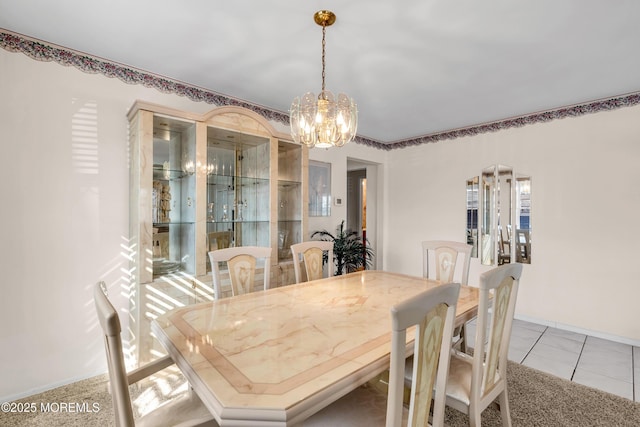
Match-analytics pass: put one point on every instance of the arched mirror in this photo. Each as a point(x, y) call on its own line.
point(499, 216)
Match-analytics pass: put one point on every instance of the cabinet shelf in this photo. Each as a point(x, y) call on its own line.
point(161, 174)
point(286, 183)
point(240, 180)
point(235, 221)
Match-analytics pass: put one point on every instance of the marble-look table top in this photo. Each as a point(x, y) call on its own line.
point(275, 357)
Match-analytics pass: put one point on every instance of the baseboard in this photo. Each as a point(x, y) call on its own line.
point(571, 328)
point(40, 389)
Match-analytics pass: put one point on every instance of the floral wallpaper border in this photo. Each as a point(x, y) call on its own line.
point(41, 51)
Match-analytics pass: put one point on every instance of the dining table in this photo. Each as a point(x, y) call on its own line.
point(277, 356)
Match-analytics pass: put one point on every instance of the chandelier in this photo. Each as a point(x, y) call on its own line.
point(323, 121)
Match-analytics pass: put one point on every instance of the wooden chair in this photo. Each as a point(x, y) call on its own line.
point(433, 312)
point(476, 381)
point(186, 410)
point(439, 260)
point(241, 262)
point(311, 253)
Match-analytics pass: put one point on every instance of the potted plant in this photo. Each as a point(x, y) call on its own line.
point(350, 252)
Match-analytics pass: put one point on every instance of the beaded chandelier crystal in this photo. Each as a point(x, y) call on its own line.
point(323, 121)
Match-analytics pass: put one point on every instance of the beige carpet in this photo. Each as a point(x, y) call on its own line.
point(537, 400)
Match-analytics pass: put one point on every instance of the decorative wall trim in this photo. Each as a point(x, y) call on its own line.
point(42, 51)
point(530, 119)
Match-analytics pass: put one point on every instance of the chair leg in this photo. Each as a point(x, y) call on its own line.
point(504, 408)
point(460, 343)
point(475, 416)
point(463, 341)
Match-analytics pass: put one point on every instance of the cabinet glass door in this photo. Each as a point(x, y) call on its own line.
point(237, 190)
point(289, 201)
point(173, 196)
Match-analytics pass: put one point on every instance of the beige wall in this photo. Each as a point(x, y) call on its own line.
point(585, 201)
point(64, 183)
point(64, 189)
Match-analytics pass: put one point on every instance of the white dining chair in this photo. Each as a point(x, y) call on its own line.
point(186, 410)
point(439, 261)
point(433, 313)
point(476, 381)
point(241, 264)
point(311, 254)
point(523, 246)
point(440, 258)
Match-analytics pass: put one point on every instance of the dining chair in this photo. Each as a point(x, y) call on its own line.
point(439, 261)
point(241, 264)
point(311, 253)
point(440, 257)
point(219, 240)
point(433, 313)
point(186, 410)
point(523, 246)
point(476, 381)
point(504, 246)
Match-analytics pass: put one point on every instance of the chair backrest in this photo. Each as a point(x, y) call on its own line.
point(523, 246)
point(444, 256)
point(311, 253)
point(219, 240)
point(241, 263)
point(499, 291)
point(433, 311)
point(110, 324)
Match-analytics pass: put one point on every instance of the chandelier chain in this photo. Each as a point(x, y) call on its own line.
point(324, 31)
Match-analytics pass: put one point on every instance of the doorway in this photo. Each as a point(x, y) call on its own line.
point(363, 204)
point(357, 201)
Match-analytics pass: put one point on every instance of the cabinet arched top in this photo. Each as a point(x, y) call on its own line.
point(243, 120)
point(230, 117)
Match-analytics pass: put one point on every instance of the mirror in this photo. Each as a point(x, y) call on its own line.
point(472, 215)
point(495, 224)
point(487, 218)
point(523, 220)
point(503, 222)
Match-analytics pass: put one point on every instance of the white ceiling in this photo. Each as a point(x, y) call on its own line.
point(415, 67)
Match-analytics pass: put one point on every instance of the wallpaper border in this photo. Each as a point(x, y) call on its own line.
point(43, 51)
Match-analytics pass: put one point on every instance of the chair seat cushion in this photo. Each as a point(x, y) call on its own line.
point(186, 410)
point(459, 381)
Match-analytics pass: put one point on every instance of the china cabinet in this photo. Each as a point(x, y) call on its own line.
point(202, 182)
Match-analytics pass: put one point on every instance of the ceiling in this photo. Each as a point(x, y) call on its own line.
point(415, 67)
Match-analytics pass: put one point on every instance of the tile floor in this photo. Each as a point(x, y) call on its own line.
point(594, 362)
